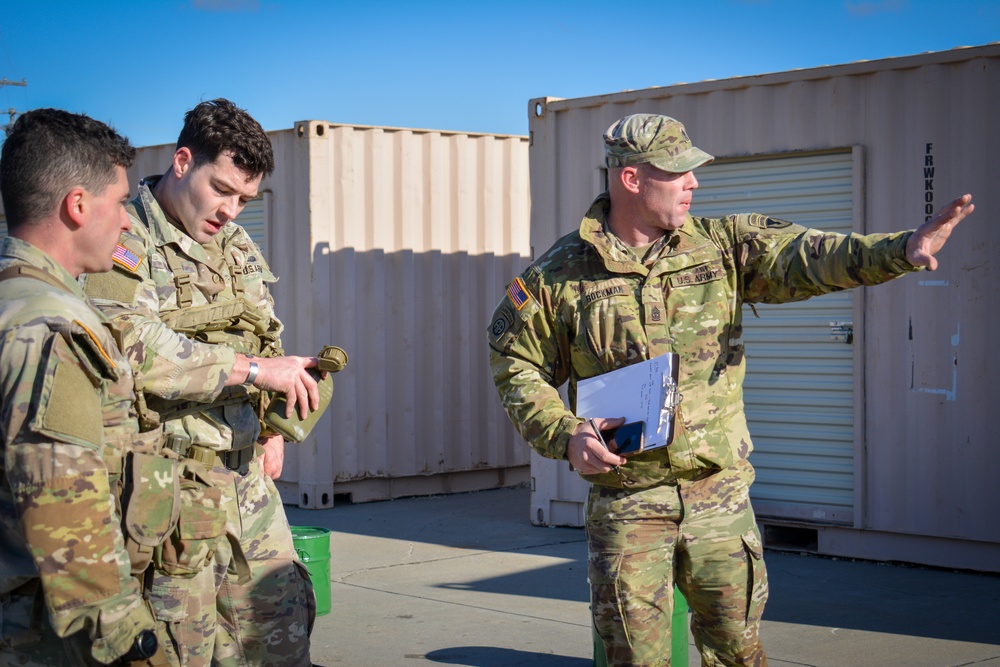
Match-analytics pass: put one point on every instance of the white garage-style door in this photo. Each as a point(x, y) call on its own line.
point(253, 218)
point(799, 388)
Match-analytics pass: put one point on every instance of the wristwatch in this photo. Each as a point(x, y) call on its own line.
point(144, 647)
point(252, 375)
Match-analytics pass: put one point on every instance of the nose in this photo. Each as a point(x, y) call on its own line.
point(125, 221)
point(693, 182)
point(230, 208)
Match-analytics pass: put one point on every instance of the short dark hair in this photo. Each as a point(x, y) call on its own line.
point(219, 126)
point(47, 153)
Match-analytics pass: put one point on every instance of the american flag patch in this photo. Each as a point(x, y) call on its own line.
point(518, 294)
point(125, 257)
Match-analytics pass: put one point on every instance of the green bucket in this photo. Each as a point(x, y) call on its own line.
point(678, 635)
point(313, 546)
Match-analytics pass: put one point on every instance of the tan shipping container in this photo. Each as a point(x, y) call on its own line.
point(394, 244)
point(870, 410)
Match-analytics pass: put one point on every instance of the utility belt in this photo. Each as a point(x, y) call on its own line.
point(172, 511)
point(233, 459)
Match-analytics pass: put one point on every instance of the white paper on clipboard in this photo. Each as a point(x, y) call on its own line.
point(635, 392)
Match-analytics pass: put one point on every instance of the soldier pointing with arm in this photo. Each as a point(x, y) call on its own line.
point(642, 277)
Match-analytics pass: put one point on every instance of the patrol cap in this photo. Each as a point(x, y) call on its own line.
point(659, 140)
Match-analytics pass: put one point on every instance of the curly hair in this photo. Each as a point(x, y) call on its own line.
point(219, 126)
point(49, 152)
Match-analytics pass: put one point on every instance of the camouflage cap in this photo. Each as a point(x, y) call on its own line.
point(658, 140)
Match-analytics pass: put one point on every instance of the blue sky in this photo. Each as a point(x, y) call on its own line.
point(467, 66)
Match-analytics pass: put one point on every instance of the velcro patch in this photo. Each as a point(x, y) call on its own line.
point(114, 285)
point(73, 408)
point(126, 258)
point(518, 294)
point(604, 290)
point(764, 222)
point(704, 273)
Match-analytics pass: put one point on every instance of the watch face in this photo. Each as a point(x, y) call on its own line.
point(146, 643)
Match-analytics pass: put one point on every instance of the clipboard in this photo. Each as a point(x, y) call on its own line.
point(646, 391)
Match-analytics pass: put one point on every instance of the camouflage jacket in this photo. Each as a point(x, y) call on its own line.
point(155, 302)
point(588, 306)
point(66, 422)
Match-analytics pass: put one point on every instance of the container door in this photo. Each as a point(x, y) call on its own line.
point(799, 389)
point(253, 219)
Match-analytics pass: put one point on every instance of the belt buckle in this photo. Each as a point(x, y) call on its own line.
point(239, 458)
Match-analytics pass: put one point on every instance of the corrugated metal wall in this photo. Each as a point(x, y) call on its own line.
point(413, 236)
point(395, 244)
point(922, 126)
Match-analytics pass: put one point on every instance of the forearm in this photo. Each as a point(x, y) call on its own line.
point(533, 405)
point(173, 366)
point(788, 267)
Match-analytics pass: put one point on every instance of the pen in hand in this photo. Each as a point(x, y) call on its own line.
point(600, 437)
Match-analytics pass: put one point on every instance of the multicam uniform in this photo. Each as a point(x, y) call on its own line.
point(66, 424)
point(589, 306)
point(188, 309)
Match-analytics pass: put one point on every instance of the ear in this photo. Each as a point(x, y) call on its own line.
point(74, 206)
point(183, 162)
point(630, 178)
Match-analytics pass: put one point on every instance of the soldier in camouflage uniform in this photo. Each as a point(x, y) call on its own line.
point(191, 292)
point(641, 278)
point(67, 596)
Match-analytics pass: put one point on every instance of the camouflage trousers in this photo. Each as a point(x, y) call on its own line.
point(211, 618)
point(700, 533)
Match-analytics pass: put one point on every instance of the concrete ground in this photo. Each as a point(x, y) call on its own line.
point(465, 579)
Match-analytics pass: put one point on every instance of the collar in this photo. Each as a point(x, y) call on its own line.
point(24, 252)
point(163, 228)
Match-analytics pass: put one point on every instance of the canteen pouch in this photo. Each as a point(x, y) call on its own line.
point(201, 523)
point(332, 359)
point(151, 505)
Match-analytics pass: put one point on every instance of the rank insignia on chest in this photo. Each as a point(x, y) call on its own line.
point(126, 258)
point(518, 294)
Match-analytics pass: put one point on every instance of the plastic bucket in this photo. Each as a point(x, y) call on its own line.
point(678, 635)
point(313, 546)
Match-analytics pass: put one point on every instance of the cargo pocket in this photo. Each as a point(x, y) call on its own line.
point(201, 524)
point(308, 594)
point(603, 571)
point(171, 610)
point(151, 503)
point(758, 575)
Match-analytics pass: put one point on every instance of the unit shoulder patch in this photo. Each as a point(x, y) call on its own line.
point(764, 222)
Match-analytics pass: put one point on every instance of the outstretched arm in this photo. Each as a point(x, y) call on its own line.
point(931, 236)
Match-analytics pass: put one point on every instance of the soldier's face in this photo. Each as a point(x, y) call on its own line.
point(106, 222)
point(665, 197)
point(210, 195)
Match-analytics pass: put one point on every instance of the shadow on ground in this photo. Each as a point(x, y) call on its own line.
point(488, 656)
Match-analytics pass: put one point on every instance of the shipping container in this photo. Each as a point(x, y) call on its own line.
point(868, 408)
point(394, 244)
